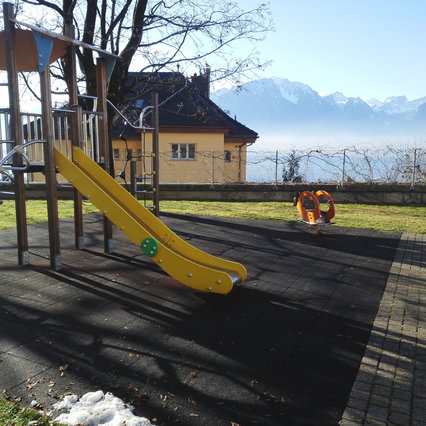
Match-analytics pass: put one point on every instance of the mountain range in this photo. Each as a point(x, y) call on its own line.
point(270, 105)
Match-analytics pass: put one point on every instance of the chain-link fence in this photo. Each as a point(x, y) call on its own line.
point(347, 165)
point(372, 165)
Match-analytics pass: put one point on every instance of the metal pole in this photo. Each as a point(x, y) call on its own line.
point(276, 167)
point(343, 167)
point(213, 166)
point(16, 132)
point(413, 179)
point(155, 154)
point(239, 163)
point(133, 177)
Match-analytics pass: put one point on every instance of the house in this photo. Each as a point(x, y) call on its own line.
point(198, 141)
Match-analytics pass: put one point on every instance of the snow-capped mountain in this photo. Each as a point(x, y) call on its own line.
point(293, 91)
point(270, 104)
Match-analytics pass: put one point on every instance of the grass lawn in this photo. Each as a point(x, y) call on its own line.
point(385, 218)
point(13, 415)
point(37, 211)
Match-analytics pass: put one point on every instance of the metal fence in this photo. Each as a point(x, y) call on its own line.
point(347, 165)
point(373, 165)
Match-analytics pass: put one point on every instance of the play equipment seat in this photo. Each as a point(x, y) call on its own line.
point(308, 205)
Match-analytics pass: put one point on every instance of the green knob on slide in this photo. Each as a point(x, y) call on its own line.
point(149, 246)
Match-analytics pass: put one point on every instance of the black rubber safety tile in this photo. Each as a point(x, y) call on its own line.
point(281, 348)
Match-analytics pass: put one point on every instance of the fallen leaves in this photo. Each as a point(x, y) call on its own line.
point(30, 385)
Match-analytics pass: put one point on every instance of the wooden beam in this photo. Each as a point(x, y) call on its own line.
point(76, 133)
point(101, 89)
point(16, 133)
point(50, 169)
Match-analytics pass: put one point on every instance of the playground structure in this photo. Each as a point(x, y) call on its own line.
point(85, 165)
point(308, 204)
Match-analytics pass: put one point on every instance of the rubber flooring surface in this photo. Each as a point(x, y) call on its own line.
point(283, 348)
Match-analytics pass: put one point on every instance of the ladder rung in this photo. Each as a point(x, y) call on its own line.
point(36, 167)
point(80, 95)
point(62, 110)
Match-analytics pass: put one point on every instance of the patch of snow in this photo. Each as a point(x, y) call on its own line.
point(396, 105)
point(339, 98)
point(97, 408)
point(374, 103)
point(292, 90)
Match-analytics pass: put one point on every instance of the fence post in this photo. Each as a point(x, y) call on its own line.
point(276, 167)
point(343, 167)
point(413, 177)
point(213, 177)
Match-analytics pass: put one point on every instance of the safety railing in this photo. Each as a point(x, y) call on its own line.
point(32, 148)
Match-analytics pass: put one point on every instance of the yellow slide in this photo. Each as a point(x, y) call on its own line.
point(181, 260)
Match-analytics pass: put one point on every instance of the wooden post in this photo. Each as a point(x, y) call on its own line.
point(16, 133)
point(50, 169)
point(76, 132)
point(156, 156)
point(101, 87)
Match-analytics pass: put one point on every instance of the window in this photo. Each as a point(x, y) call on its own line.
point(183, 151)
point(116, 154)
point(227, 156)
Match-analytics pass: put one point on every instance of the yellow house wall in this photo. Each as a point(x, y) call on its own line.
point(235, 170)
point(208, 165)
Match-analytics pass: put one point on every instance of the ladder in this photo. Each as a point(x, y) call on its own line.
point(145, 186)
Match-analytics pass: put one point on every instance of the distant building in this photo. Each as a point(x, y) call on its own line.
point(198, 141)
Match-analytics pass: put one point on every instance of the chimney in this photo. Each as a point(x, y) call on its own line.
point(202, 82)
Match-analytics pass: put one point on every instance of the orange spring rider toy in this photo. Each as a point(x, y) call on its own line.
point(308, 205)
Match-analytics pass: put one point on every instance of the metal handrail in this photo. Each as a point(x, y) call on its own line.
point(67, 111)
point(19, 149)
point(140, 127)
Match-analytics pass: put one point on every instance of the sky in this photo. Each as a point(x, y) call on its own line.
point(362, 48)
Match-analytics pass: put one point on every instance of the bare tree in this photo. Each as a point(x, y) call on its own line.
point(153, 35)
point(291, 168)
